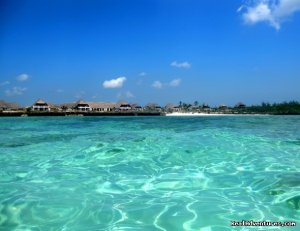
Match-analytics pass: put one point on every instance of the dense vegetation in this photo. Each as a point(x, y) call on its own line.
point(292, 107)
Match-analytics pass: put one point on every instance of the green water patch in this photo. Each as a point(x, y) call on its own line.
point(99, 145)
point(275, 192)
point(293, 142)
point(294, 202)
point(115, 150)
point(34, 139)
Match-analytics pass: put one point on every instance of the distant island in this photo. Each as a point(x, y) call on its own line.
point(85, 108)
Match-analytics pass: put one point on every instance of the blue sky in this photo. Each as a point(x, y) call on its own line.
point(150, 51)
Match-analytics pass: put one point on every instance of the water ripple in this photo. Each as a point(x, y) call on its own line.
point(148, 173)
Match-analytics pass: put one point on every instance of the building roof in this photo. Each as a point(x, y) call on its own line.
point(240, 104)
point(40, 101)
point(101, 105)
point(81, 102)
point(8, 105)
point(125, 105)
point(171, 106)
point(152, 105)
point(118, 104)
point(222, 105)
point(135, 105)
point(68, 105)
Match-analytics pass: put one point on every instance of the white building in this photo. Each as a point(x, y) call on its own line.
point(40, 105)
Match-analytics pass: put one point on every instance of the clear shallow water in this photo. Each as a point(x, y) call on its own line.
point(148, 173)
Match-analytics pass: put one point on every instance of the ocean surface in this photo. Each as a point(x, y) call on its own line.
point(149, 173)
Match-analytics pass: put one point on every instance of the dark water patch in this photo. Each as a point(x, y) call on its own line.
point(80, 157)
point(29, 140)
point(294, 202)
point(289, 180)
point(116, 150)
point(100, 145)
point(138, 140)
point(275, 192)
point(12, 144)
point(285, 182)
point(293, 142)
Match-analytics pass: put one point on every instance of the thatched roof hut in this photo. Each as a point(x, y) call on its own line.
point(8, 106)
point(172, 107)
point(222, 106)
point(240, 105)
point(40, 102)
point(82, 106)
point(153, 106)
point(40, 105)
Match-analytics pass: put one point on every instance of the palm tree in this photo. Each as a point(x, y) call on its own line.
point(180, 104)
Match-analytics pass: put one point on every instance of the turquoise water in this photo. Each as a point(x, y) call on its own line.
point(149, 173)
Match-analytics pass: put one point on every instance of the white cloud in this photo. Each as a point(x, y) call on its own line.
point(129, 94)
point(184, 65)
point(175, 82)
point(22, 77)
point(157, 84)
point(15, 91)
point(4, 83)
point(114, 83)
point(143, 74)
point(273, 12)
point(59, 90)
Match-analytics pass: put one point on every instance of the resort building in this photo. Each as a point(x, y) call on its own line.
point(82, 106)
point(94, 106)
point(136, 107)
point(205, 106)
point(222, 107)
point(125, 107)
point(3, 105)
point(102, 107)
point(153, 107)
point(40, 105)
point(172, 108)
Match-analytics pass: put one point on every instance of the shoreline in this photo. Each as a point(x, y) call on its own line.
point(179, 114)
point(128, 113)
point(75, 114)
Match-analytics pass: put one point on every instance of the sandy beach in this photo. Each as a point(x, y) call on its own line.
point(206, 114)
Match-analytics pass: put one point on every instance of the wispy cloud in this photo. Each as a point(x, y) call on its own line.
point(22, 77)
point(15, 91)
point(59, 90)
point(175, 82)
point(157, 84)
point(127, 94)
point(4, 83)
point(184, 65)
point(143, 74)
point(114, 83)
point(273, 12)
point(80, 95)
